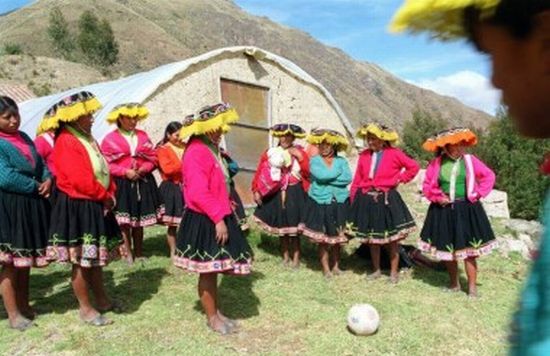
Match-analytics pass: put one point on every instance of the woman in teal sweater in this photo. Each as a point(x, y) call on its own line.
point(327, 206)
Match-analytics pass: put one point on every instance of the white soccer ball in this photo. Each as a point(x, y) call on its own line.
point(363, 319)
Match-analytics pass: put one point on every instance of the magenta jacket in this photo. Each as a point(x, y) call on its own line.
point(44, 147)
point(480, 179)
point(395, 168)
point(116, 150)
point(204, 187)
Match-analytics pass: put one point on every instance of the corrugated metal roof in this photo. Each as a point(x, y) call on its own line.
point(138, 87)
point(16, 91)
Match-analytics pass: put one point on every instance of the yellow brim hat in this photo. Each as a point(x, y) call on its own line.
point(443, 19)
point(379, 131)
point(209, 119)
point(280, 130)
point(318, 136)
point(129, 109)
point(69, 109)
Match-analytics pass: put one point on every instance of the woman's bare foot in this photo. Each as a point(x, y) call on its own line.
point(20, 323)
point(216, 324)
point(375, 275)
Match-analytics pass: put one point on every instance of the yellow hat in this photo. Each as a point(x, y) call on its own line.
point(318, 136)
point(128, 109)
point(209, 119)
point(382, 132)
point(280, 130)
point(444, 19)
point(69, 109)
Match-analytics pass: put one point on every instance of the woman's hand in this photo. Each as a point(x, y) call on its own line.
point(257, 198)
point(221, 233)
point(444, 201)
point(132, 174)
point(296, 153)
point(45, 188)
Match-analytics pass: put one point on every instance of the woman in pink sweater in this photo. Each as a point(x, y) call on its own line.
point(456, 226)
point(209, 239)
point(379, 215)
point(132, 157)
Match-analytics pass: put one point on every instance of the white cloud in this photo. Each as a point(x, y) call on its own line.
point(471, 88)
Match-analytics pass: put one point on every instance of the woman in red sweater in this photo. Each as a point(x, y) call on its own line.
point(280, 186)
point(83, 229)
point(169, 153)
point(379, 215)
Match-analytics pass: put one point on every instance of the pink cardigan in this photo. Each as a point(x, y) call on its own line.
point(116, 150)
point(480, 179)
point(395, 168)
point(44, 147)
point(204, 187)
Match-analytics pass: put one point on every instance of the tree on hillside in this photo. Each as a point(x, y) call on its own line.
point(516, 161)
point(96, 40)
point(61, 38)
point(416, 131)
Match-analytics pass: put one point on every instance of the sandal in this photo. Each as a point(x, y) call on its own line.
point(22, 324)
point(99, 320)
point(223, 329)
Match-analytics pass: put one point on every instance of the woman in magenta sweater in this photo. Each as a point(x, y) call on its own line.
point(132, 157)
point(456, 227)
point(379, 215)
point(209, 239)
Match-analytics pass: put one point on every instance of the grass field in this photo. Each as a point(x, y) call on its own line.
point(281, 311)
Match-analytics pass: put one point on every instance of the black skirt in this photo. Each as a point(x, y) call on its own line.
point(457, 231)
point(325, 223)
point(238, 208)
point(138, 203)
point(198, 251)
point(83, 233)
point(380, 218)
point(172, 197)
point(24, 224)
point(281, 213)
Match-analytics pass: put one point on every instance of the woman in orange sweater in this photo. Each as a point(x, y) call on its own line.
point(169, 154)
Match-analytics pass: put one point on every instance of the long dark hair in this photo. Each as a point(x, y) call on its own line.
point(170, 129)
point(8, 104)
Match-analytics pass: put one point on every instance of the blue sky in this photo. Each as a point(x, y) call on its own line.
point(359, 27)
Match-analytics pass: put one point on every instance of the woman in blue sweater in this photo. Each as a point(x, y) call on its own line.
point(25, 185)
point(327, 206)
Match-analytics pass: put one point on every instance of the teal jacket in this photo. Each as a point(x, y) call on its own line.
point(329, 182)
point(531, 325)
point(17, 175)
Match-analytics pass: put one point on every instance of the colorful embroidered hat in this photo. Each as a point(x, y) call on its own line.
point(450, 137)
point(69, 109)
point(382, 132)
point(280, 130)
point(444, 19)
point(209, 118)
point(128, 109)
point(318, 136)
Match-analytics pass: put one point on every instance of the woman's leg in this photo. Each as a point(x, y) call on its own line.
point(336, 259)
point(137, 237)
point(375, 258)
point(296, 251)
point(470, 264)
point(171, 240)
point(98, 288)
point(126, 231)
point(208, 294)
point(452, 268)
point(22, 292)
point(324, 258)
point(81, 282)
point(8, 286)
point(285, 242)
point(394, 262)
